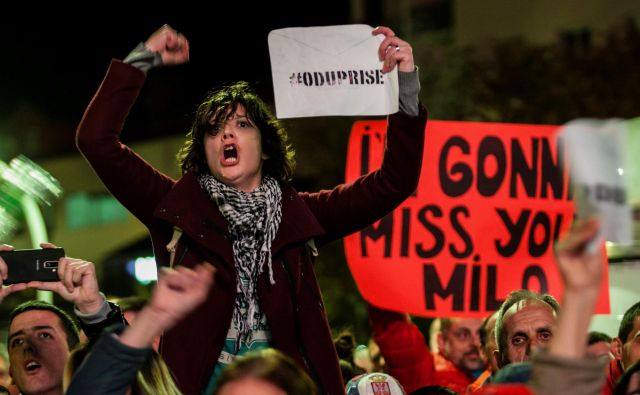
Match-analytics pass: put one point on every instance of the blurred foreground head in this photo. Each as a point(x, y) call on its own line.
point(265, 372)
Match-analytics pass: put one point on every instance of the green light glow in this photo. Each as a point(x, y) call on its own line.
point(23, 186)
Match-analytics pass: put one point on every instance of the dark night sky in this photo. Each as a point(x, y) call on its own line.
point(52, 63)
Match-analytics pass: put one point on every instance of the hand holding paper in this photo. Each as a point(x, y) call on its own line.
point(394, 51)
point(337, 70)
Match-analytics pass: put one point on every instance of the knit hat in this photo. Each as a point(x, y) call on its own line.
point(374, 384)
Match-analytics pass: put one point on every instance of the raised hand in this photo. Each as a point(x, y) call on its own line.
point(172, 46)
point(580, 268)
point(6, 290)
point(178, 292)
point(581, 271)
point(394, 51)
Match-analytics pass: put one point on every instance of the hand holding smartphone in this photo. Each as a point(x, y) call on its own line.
point(32, 265)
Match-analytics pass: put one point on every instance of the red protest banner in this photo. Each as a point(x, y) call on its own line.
point(491, 201)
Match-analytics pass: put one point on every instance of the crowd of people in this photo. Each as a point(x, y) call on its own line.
point(531, 345)
point(237, 308)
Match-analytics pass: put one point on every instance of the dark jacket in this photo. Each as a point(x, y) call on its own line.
point(110, 368)
point(293, 306)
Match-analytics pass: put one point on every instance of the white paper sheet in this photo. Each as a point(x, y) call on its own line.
point(597, 157)
point(330, 70)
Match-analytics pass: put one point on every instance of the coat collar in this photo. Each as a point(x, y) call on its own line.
point(189, 207)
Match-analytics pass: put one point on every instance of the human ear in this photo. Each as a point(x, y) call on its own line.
point(616, 348)
point(497, 356)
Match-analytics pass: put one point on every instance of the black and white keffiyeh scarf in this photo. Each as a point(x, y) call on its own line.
point(254, 218)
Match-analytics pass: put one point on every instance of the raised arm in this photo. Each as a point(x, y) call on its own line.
point(395, 51)
point(350, 207)
point(581, 272)
point(112, 365)
point(566, 367)
point(178, 292)
point(132, 180)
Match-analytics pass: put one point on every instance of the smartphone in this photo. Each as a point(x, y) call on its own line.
point(32, 265)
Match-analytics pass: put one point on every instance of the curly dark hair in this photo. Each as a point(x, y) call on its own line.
point(215, 109)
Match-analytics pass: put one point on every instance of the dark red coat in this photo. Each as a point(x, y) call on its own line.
point(293, 306)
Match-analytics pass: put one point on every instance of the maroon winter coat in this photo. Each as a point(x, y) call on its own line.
point(293, 305)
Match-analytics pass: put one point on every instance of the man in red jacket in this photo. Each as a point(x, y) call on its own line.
point(408, 358)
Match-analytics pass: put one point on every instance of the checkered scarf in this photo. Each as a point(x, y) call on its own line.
point(254, 218)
